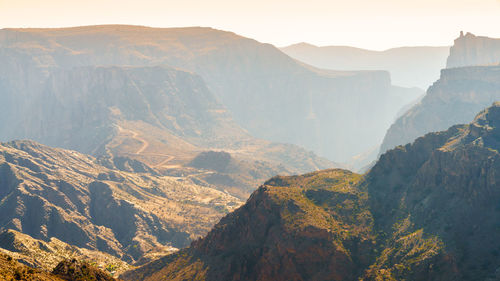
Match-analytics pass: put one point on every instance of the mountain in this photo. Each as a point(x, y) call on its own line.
point(269, 94)
point(470, 49)
point(408, 66)
point(48, 193)
point(453, 99)
point(425, 211)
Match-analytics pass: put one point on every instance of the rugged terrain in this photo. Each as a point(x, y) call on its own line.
point(425, 211)
point(408, 66)
point(454, 99)
point(50, 193)
point(471, 82)
point(267, 93)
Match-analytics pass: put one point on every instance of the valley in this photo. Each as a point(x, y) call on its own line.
point(130, 152)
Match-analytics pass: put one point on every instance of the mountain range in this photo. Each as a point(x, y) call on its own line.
point(425, 211)
point(268, 94)
point(408, 66)
point(143, 144)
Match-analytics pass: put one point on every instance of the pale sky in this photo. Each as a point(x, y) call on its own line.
point(367, 24)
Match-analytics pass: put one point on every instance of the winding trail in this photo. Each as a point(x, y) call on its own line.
point(145, 145)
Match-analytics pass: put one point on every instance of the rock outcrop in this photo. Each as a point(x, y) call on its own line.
point(74, 270)
point(470, 50)
point(425, 211)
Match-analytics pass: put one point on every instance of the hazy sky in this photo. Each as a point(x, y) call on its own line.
point(362, 23)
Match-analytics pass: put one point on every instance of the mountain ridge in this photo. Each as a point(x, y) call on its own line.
point(425, 61)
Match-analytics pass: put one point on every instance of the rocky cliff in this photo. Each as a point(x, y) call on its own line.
point(454, 99)
point(425, 211)
point(268, 93)
point(469, 50)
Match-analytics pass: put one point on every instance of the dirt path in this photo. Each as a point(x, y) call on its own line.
point(135, 136)
point(145, 145)
point(200, 174)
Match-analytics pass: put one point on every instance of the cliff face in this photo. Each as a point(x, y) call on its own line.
point(425, 211)
point(469, 50)
point(268, 93)
point(80, 108)
point(53, 193)
point(454, 99)
point(408, 66)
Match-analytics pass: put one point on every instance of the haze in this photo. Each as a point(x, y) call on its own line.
point(360, 23)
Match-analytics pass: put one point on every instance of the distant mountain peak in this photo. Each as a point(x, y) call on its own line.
point(302, 45)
